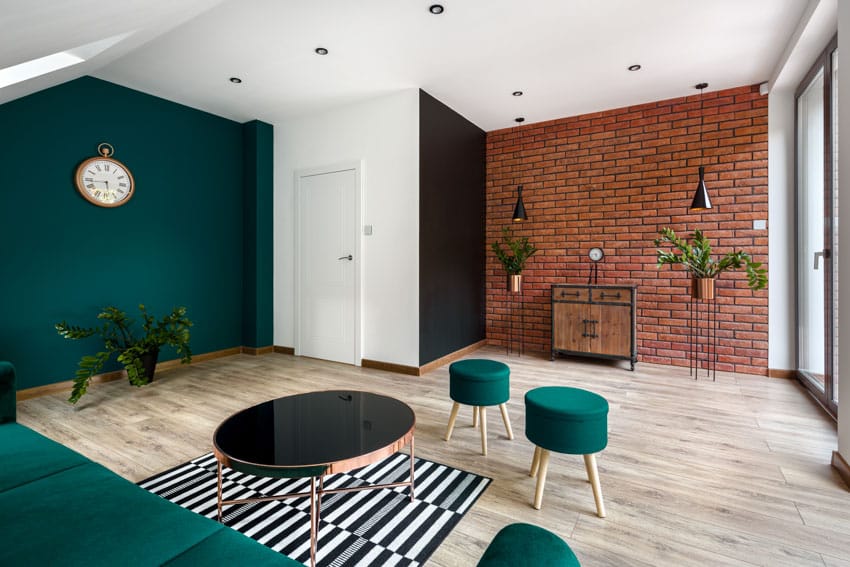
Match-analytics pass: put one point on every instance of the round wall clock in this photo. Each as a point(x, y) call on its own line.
point(596, 254)
point(103, 180)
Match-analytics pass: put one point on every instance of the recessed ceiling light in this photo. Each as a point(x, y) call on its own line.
point(321, 51)
point(634, 67)
point(436, 8)
point(235, 80)
point(519, 119)
point(517, 93)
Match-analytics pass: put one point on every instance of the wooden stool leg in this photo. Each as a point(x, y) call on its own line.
point(535, 462)
point(452, 419)
point(593, 475)
point(507, 420)
point(474, 417)
point(482, 413)
point(541, 478)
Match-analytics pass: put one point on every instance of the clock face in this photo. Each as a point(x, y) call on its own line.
point(595, 254)
point(104, 181)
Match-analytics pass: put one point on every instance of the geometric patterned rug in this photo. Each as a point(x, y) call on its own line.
point(362, 528)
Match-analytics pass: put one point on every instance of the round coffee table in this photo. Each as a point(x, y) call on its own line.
point(313, 435)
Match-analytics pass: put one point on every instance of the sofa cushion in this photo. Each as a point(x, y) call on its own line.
point(26, 456)
point(88, 515)
point(229, 547)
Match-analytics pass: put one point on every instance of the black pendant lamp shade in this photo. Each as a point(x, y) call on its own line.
point(519, 209)
point(701, 200)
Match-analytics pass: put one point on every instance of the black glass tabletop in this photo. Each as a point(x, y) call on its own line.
point(316, 428)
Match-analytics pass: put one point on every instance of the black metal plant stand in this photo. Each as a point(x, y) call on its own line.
point(509, 348)
point(703, 326)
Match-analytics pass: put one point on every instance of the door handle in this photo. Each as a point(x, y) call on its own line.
point(349, 257)
point(821, 254)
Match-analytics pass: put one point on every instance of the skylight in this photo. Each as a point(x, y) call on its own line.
point(49, 63)
point(37, 67)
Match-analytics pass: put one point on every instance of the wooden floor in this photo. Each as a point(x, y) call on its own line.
point(732, 472)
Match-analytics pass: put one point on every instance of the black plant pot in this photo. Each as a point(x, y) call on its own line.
point(149, 363)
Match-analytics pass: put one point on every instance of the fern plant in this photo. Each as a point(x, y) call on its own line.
point(118, 337)
point(696, 258)
point(519, 250)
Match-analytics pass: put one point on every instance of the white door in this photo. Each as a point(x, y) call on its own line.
point(327, 235)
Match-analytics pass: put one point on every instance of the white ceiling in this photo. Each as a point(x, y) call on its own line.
point(568, 56)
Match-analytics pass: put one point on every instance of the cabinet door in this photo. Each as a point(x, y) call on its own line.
point(569, 326)
point(613, 330)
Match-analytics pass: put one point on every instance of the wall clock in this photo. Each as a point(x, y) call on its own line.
point(103, 180)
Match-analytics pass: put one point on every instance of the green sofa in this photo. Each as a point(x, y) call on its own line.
point(59, 508)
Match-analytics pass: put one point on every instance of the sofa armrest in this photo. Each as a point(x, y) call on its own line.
point(7, 392)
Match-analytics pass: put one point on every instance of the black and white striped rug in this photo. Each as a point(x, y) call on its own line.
point(367, 527)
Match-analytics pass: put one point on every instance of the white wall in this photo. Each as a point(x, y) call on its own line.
point(384, 134)
point(844, 231)
point(782, 347)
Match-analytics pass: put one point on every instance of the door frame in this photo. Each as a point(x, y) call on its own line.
point(824, 398)
point(359, 179)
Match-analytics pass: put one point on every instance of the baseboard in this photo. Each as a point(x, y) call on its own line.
point(284, 349)
point(390, 367)
point(66, 385)
point(839, 464)
point(256, 351)
point(451, 357)
point(777, 373)
point(425, 368)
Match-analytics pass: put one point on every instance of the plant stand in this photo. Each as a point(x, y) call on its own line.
point(703, 324)
point(513, 296)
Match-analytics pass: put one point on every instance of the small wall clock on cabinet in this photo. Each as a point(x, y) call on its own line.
point(103, 180)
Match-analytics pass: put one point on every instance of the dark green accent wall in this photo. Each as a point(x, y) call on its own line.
point(451, 230)
point(178, 241)
point(257, 326)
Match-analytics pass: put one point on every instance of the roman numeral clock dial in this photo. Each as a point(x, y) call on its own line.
point(103, 180)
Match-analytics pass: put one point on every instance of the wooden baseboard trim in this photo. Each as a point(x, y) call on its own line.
point(390, 367)
point(419, 371)
point(842, 467)
point(284, 350)
point(66, 385)
point(778, 373)
point(257, 351)
point(451, 357)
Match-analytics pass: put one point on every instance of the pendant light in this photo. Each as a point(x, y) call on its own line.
point(519, 209)
point(701, 200)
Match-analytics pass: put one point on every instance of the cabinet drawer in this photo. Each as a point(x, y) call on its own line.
point(579, 294)
point(611, 295)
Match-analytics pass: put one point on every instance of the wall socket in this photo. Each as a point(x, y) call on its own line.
point(759, 224)
point(367, 229)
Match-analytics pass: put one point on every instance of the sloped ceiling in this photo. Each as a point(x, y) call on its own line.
point(567, 56)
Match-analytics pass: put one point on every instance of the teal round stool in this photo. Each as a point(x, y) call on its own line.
point(479, 383)
point(524, 545)
point(566, 420)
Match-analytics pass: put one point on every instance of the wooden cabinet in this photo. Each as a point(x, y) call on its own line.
point(594, 320)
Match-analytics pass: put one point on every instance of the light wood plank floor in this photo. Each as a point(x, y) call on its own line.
point(733, 472)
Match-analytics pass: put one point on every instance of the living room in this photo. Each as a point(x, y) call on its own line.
point(218, 223)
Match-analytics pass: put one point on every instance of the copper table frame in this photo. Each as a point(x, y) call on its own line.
point(315, 493)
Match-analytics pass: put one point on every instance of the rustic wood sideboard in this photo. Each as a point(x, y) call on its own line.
point(594, 320)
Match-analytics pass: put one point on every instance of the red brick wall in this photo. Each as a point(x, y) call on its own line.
point(612, 179)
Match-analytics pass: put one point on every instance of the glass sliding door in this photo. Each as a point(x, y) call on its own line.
point(817, 190)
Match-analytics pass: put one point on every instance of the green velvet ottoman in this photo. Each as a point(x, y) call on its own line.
point(479, 383)
point(566, 420)
point(524, 545)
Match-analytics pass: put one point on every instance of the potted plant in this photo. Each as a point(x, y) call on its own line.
point(696, 259)
point(519, 250)
point(137, 354)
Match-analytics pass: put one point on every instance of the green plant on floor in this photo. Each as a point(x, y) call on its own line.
point(519, 250)
point(132, 350)
point(695, 257)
